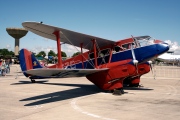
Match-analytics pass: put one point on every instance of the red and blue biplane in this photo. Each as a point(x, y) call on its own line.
point(108, 64)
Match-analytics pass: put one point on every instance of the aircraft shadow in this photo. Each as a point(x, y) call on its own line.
point(28, 82)
point(137, 88)
point(82, 90)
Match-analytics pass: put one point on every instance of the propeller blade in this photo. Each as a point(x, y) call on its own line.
point(134, 59)
point(132, 51)
point(151, 66)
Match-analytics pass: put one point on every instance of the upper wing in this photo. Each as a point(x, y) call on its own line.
point(67, 36)
point(62, 73)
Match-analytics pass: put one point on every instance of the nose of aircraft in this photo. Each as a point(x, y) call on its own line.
point(162, 48)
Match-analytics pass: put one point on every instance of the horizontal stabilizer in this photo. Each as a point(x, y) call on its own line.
point(62, 73)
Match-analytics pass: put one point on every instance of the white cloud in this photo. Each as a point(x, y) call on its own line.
point(8, 47)
point(37, 49)
point(68, 49)
point(173, 46)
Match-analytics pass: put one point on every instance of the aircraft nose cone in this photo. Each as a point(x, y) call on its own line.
point(162, 48)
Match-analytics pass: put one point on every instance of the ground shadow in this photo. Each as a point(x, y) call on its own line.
point(22, 82)
point(82, 90)
point(137, 88)
point(62, 95)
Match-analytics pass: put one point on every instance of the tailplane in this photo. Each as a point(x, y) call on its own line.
point(28, 61)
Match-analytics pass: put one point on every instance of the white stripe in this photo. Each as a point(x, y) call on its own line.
point(76, 107)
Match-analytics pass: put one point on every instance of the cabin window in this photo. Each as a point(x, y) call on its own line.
point(128, 46)
point(125, 46)
point(91, 55)
point(117, 49)
point(102, 53)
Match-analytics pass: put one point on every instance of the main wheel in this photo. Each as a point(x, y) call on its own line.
point(122, 91)
point(33, 81)
point(118, 91)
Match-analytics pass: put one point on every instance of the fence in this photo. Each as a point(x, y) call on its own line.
point(158, 71)
point(164, 71)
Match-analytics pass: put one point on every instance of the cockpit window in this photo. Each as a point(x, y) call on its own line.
point(144, 41)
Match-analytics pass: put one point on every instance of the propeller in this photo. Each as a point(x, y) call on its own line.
point(151, 66)
point(134, 58)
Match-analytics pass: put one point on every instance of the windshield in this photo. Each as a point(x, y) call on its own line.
point(144, 41)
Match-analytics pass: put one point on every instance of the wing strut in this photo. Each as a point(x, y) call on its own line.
point(56, 33)
point(95, 56)
point(82, 55)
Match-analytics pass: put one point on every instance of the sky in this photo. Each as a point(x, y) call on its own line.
point(109, 19)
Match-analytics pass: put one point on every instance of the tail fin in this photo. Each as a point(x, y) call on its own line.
point(28, 61)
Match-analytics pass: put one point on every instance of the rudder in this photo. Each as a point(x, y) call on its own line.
point(28, 60)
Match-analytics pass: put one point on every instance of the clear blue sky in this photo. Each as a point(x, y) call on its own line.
point(111, 19)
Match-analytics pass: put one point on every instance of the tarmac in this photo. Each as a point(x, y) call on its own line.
point(79, 99)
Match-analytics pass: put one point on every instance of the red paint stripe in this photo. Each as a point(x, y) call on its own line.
point(28, 59)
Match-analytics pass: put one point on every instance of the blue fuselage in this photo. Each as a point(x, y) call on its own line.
point(142, 54)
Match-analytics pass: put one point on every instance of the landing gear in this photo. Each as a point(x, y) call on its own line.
point(140, 86)
point(118, 91)
point(134, 85)
point(33, 81)
point(132, 82)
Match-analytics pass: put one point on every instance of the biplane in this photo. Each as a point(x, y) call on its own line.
point(108, 64)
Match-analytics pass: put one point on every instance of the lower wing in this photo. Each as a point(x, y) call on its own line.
point(62, 73)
